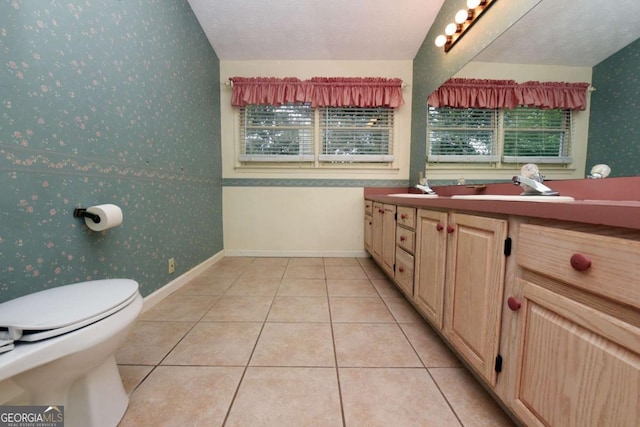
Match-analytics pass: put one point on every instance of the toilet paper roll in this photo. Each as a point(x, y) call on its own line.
point(110, 216)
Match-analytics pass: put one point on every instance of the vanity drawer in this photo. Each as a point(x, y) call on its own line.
point(368, 207)
point(406, 239)
point(407, 216)
point(404, 271)
point(604, 265)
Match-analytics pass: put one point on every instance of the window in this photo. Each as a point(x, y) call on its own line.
point(288, 133)
point(462, 135)
point(537, 135)
point(276, 133)
point(493, 135)
point(318, 122)
point(356, 134)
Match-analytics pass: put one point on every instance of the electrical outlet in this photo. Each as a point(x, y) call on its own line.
point(172, 265)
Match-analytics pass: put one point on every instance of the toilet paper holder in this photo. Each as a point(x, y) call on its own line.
point(82, 213)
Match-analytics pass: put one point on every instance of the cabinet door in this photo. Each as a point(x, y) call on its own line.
point(389, 238)
point(376, 240)
point(576, 366)
point(431, 246)
point(368, 233)
point(474, 289)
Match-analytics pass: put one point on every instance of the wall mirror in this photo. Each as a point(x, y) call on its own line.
point(580, 33)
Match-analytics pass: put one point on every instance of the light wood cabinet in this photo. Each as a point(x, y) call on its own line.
point(474, 288)
point(405, 247)
point(562, 314)
point(404, 271)
point(368, 226)
point(376, 231)
point(577, 329)
point(431, 247)
point(383, 232)
point(389, 239)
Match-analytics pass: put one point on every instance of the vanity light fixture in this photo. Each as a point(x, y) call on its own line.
point(464, 19)
point(472, 4)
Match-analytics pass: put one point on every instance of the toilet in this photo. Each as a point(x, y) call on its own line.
point(60, 343)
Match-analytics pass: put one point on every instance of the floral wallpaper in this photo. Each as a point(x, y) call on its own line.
point(614, 130)
point(106, 102)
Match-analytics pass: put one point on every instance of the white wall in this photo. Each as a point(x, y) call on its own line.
point(314, 218)
point(277, 221)
point(523, 73)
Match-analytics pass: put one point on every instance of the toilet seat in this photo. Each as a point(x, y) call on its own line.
point(63, 309)
point(6, 345)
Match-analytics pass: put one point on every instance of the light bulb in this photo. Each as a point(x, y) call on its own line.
point(450, 29)
point(472, 4)
point(461, 16)
point(441, 40)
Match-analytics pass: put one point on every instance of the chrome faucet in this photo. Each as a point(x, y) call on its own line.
point(425, 188)
point(533, 186)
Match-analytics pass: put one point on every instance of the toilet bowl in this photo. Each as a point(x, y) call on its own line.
point(64, 340)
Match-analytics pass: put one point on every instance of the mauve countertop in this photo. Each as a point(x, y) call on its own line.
point(612, 202)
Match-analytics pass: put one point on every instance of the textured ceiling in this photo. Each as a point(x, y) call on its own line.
point(316, 29)
point(555, 32)
point(575, 33)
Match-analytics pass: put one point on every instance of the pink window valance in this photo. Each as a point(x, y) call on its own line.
point(478, 93)
point(318, 91)
point(475, 93)
point(267, 91)
point(567, 96)
point(356, 92)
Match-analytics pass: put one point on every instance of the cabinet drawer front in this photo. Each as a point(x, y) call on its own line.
point(368, 207)
point(604, 265)
point(407, 216)
point(404, 271)
point(406, 239)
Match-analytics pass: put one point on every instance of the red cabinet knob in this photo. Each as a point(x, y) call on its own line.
point(439, 227)
point(580, 262)
point(513, 303)
point(403, 216)
point(401, 270)
point(402, 238)
point(450, 229)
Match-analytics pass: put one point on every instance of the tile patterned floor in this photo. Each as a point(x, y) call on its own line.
point(295, 342)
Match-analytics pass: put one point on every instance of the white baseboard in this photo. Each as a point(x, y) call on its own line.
point(296, 254)
point(155, 297)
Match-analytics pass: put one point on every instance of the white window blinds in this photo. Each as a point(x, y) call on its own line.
point(462, 135)
point(535, 135)
point(353, 134)
point(282, 133)
point(466, 135)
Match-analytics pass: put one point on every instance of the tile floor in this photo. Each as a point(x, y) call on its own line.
point(295, 342)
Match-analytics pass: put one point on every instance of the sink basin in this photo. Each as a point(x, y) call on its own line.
point(415, 195)
point(517, 198)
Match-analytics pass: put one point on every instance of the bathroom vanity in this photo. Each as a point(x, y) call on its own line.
point(540, 300)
